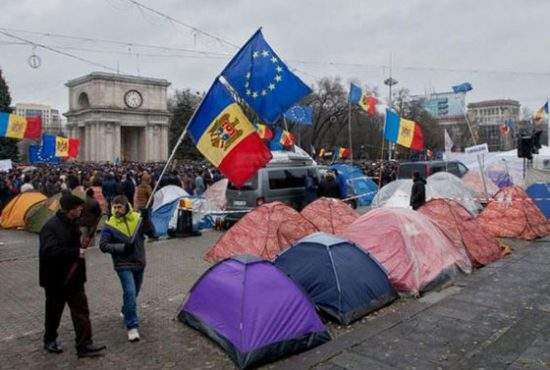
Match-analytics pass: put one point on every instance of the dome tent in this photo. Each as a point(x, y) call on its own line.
point(463, 230)
point(253, 311)
point(13, 214)
point(513, 214)
point(264, 232)
point(40, 213)
point(413, 250)
point(329, 215)
point(165, 204)
point(352, 181)
point(342, 280)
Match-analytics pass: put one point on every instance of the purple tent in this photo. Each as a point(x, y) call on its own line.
point(253, 311)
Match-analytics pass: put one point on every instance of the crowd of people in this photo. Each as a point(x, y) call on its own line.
point(132, 179)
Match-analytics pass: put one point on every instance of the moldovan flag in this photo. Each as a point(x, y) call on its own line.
point(61, 147)
point(403, 131)
point(363, 99)
point(19, 127)
point(343, 153)
point(264, 132)
point(224, 135)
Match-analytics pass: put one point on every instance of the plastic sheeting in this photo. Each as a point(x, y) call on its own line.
point(352, 182)
point(463, 230)
point(264, 232)
point(342, 280)
point(540, 193)
point(329, 215)
point(439, 185)
point(413, 250)
point(513, 214)
point(253, 311)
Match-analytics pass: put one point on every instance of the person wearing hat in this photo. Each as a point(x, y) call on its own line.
point(62, 274)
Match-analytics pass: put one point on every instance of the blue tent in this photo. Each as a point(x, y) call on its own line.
point(352, 181)
point(342, 280)
point(165, 203)
point(540, 193)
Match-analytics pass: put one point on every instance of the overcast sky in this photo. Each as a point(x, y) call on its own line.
point(434, 44)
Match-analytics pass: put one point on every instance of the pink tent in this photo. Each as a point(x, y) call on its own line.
point(329, 215)
point(264, 232)
point(513, 214)
point(414, 251)
point(463, 230)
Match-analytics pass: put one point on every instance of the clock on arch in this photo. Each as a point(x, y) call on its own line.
point(133, 99)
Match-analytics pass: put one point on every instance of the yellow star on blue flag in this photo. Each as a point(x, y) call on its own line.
point(259, 76)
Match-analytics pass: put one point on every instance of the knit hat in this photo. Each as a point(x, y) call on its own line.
point(69, 202)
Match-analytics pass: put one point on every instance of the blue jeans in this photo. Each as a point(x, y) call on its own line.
point(130, 280)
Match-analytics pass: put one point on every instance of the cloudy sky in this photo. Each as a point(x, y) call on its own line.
point(500, 46)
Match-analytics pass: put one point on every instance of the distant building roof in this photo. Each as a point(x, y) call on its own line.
point(117, 77)
point(494, 103)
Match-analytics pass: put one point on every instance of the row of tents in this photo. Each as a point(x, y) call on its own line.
point(328, 262)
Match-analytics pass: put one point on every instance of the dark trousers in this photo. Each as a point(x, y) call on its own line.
point(80, 314)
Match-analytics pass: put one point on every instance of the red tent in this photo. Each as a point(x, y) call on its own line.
point(329, 215)
point(264, 232)
point(463, 230)
point(513, 214)
point(413, 250)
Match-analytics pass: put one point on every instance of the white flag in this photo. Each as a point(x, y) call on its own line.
point(448, 142)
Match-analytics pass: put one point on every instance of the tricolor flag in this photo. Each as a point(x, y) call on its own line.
point(343, 153)
point(19, 127)
point(224, 135)
point(364, 99)
point(403, 131)
point(264, 132)
point(539, 115)
point(61, 147)
point(281, 139)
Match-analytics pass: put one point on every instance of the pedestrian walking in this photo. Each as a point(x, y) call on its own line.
point(123, 237)
point(62, 274)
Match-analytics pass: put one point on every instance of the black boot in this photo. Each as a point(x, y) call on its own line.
point(91, 351)
point(53, 347)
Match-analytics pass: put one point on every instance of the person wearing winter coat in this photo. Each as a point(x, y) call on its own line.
point(62, 274)
point(418, 191)
point(329, 187)
point(143, 192)
point(123, 238)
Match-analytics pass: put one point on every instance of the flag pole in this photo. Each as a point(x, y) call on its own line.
point(349, 132)
point(382, 154)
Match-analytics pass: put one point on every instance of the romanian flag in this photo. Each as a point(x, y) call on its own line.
point(364, 99)
point(224, 135)
point(539, 115)
point(403, 131)
point(19, 127)
point(264, 132)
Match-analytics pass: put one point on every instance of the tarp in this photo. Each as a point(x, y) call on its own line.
point(439, 185)
point(413, 250)
point(40, 213)
point(342, 280)
point(513, 214)
point(540, 193)
point(13, 214)
point(329, 215)
point(253, 311)
point(463, 230)
point(264, 232)
point(352, 181)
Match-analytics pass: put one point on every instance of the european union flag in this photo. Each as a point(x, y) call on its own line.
point(260, 77)
point(302, 115)
point(464, 87)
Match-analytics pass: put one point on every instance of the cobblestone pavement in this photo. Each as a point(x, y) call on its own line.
point(497, 317)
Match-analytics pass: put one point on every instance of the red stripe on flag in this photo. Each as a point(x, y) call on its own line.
point(74, 145)
point(242, 163)
point(371, 101)
point(418, 139)
point(34, 128)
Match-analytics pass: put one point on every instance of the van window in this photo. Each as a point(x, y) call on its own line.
point(437, 168)
point(462, 169)
point(288, 178)
point(406, 170)
point(249, 185)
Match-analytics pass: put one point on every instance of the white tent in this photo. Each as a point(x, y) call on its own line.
point(168, 194)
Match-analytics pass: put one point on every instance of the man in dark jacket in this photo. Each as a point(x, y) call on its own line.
point(418, 191)
point(63, 274)
point(123, 237)
point(329, 187)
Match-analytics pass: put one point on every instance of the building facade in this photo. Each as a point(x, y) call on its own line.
point(51, 119)
point(119, 117)
point(496, 121)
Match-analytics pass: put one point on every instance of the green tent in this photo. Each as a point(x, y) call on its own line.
point(39, 214)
